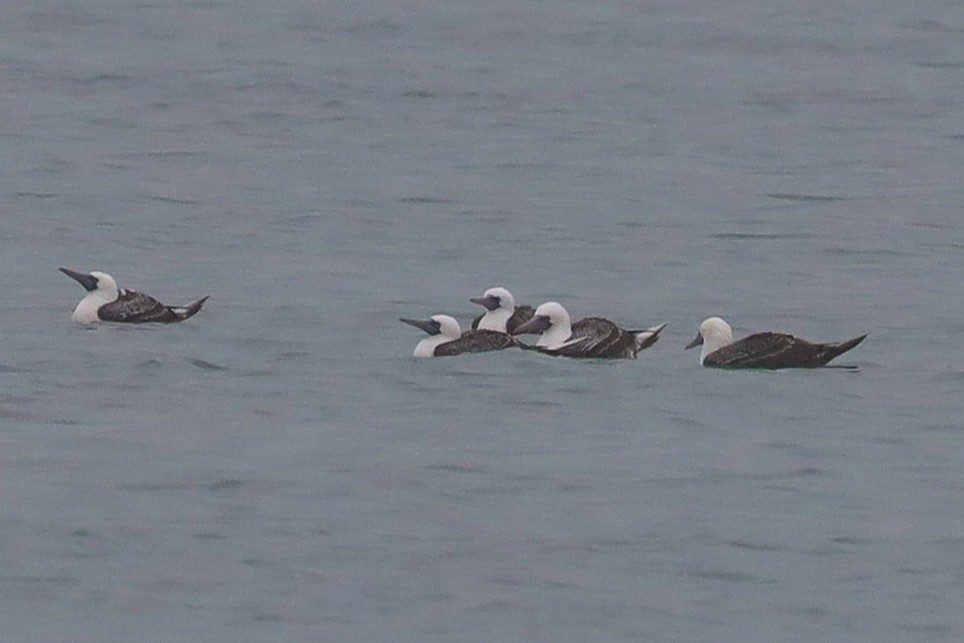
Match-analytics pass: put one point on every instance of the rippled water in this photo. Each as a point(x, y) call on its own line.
point(280, 468)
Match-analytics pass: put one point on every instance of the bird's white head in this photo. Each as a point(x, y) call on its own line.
point(448, 327)
point(499, 306)
point(714, 334)
point(101, 289)
point(105, 284)
point(504, 297)
point(441, 329)
point(552, 320)
point(554, 311)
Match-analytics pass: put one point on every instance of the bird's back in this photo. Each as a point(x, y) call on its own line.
point(777, 350)
point(597, 337)
point(136, 307)
point(475, 341)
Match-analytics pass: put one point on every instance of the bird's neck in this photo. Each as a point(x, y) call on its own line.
point(426, 347)
point(86, 310)
point(714, 343)
point(496, 320)
point(558, 334)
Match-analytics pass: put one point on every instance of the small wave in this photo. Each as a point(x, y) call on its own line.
point(746, 236)
point(427, 200)
point(789, 196)
point(743, 544)
point(10, 414)
point(161, 154)
point(453, 468)
point(37, 195)
point(418, 93)
point(942, 428)
point(227, 484)
point(854, 540)
point(205, 365)
point(171, 199)
point(945, 64)
point(46, 580)
point(856, 252)
point(729, 576)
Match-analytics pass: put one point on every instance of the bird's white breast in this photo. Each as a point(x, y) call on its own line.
point(86, 310)
point(426, 347)
point(496, 320)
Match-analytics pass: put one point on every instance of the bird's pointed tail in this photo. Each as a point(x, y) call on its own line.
point(839, 348)
point(184, 312)
point(648, 337)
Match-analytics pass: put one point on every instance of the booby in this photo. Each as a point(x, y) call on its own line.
point(501, 313)
point(106, 302)
point(446, 338)
point(590, 337)
point(762, 350)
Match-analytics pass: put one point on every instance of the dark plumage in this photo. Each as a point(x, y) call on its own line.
point(136, 307)
point(476, 341)
point(776, 350)
point(445, 338)
point(106, 302)
point(764, 350)
point(592, 337)
point(596, 337)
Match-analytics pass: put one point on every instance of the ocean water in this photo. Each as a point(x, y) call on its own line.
point(279, 468)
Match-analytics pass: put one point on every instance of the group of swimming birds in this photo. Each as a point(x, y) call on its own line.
point(499, 327)
point(596, 337)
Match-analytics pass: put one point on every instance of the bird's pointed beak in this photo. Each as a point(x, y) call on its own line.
point(489, 303)
point(696, 342)
point(536, 326)
point(89, 282)
point(430, 326)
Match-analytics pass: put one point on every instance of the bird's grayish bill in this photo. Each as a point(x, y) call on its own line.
point(430, 326)
point(696, 342)
point(535, 325)
point(89, 282)
point(490, 302)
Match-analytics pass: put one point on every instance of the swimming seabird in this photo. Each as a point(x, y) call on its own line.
point(501, 314)
point(762, 350)
point(446, 338)
point(106, 302)
point(590, 337)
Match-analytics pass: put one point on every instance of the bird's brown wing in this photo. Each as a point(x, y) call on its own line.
point(135, 308)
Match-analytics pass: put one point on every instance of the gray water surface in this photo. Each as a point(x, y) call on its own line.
point(280, 468)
